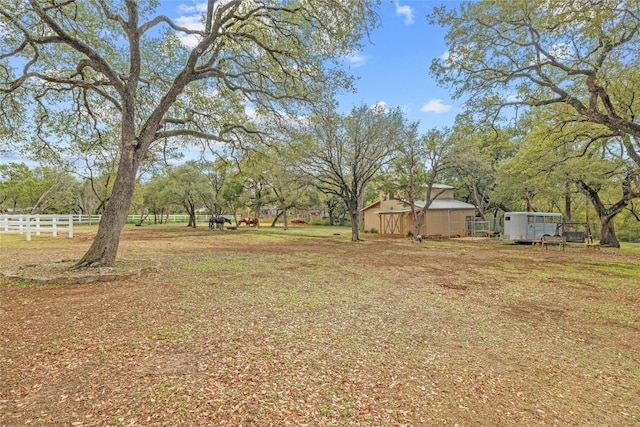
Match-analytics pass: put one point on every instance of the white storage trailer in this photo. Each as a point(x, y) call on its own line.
point(526, 227)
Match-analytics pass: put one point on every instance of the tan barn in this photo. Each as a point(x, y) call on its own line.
point(446, 217)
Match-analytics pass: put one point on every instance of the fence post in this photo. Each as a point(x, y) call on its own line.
point(71, 226)
point(28, 219)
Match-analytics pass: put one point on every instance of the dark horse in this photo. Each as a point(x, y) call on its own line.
point(219, 221)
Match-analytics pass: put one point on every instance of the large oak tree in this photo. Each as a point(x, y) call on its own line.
point(533, 53)
point(85, 66)
point(348, 151)
point(580, 54)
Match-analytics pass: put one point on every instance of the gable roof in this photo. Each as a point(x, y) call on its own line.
point(369, 206)
point(442, 186)
point(444, 204)
point(437, 204)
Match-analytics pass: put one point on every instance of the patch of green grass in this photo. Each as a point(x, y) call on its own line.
point(45, 240)
point(630, 269)
point(605, 274)
point(630, 248)
point(610, 312)
point(275, 327)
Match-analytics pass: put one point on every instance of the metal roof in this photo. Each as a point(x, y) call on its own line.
point(435, 205)
point(445, 204)
point(535, 213)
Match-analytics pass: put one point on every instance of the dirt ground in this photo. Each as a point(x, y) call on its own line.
point(269, 328)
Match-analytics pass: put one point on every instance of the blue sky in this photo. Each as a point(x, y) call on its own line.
point(394, 68)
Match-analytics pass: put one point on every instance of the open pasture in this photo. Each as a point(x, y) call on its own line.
point(267, 327)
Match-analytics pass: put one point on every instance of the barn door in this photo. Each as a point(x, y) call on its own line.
point(391, 224)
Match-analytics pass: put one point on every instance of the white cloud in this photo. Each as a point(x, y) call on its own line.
point(405, 11)
point(192, 22)
point(561, 51)
point(194, 8)
point(380, 106)
point(435, 106)
point(513, 98)
point(191, 17)
point(356, 60)
point(448, 58)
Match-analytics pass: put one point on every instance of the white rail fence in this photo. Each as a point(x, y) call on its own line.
point(168, 218)
point(30, 224)
point(86, 219)
point(38, 224)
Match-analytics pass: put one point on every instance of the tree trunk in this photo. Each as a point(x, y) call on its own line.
point(355, 230)
point(531, 207)
point(606, 215)
point(104, 248)
point(567, 207)
point(352, 206)
point(417, 231)
point(142, 217)
point(41, 199)
point(275, 219)
point(479, 201)
point(607, 232)
point(360, 213)
point(285, 219)
point(191, 210)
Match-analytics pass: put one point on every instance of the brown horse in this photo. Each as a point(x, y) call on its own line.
point(250, 221)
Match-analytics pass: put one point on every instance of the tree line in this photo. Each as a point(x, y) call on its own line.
point(338, 164)
point(550, 124)
point(192, 188)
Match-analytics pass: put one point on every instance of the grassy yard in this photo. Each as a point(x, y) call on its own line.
point(296, 327)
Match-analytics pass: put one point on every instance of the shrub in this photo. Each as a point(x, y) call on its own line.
point(319, 222)
point(327, 222)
